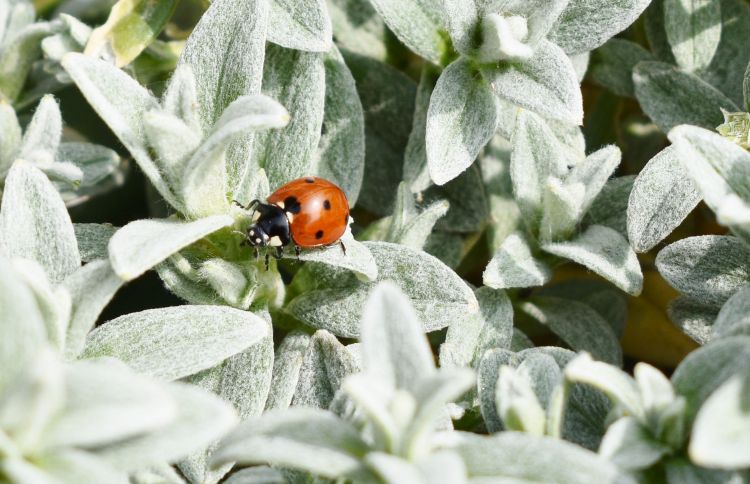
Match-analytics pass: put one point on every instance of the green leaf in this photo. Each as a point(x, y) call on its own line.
point(21, 48)
point(719, 169)
point(236, 283)
point(142, 244)
point(461, 119)
point(300, 25)
point(610, 206)
point(520, 457)
point(394, 347)
point(630, 446)
point(202, 418)
point(132, 25)
point(93, 240)
point(707, 268)
point(287, 364)
point(97, 162)
point(670, 96)
point(42, 136)
point(341, 150)
point(76, 466)
point(593, 172)
point(431, 396)
point(613, 65)
point(546, 83)
point(468, 339)
point(586, 24)
point(11, 137)
point(91, 288)
point(578, 325)
point(175, 342)
point(416, 173)
point(663, 195)
point(53, 302)
point(462, 20)
point(682, 471)
point(487, 376)
point(257, 475)
point(244, 381)
point(514, 265)
point(439, 296)
point(203, 184)
point(615, 383)
point(707, 368)
point(32, 211)
point(734, 317)
point(357, 258)
point(33, 401)
point(105, 402)
point(693, 30)
point(326, 363)
point(22, 330)
point(301, 438)
point(536, 157)
point(417, 23)
point(467, 196)
point(517, 404)
point(605, 252)
point(358, 28)
point(226, 51)
point(721, 430)
point(387, 97)
point(121, 102)
point(692, 318)
point(656, 34)
point(297, 80)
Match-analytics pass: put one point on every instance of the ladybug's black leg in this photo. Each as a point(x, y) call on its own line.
point(279, 252)
point(268, 261)
point(343, 247)
point(297, 251)
point(249, 206)
point(244, 238)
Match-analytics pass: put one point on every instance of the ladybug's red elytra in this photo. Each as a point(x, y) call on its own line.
point(307, 212)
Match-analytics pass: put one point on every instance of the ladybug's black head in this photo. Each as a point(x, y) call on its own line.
point(271, 227)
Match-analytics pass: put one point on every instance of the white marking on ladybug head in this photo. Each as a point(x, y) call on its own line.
point(256, 216)
point(257, 240)
point(252, 232)
point(290, 217)
point(280, 205)
point(275, 241)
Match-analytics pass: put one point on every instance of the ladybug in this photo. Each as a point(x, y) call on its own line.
point(307, 212)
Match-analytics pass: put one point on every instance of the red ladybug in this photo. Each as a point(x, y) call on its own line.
point(307, 212)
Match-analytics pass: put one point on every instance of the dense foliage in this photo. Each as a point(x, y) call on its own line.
point(547, 276)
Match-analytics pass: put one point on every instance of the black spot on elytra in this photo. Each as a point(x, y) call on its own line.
point(327, 205)
point(319, 234)
point(309, 179)
point(291, 205)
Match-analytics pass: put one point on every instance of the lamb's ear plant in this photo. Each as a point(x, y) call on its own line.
point(94, 420)
point(554, 189)
point(77, 169)
point(495, 56)
point(669, 428)
point(400, 428)
point(196, 146)
point(167, 343)
point(708, 270)
point(20, 45)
